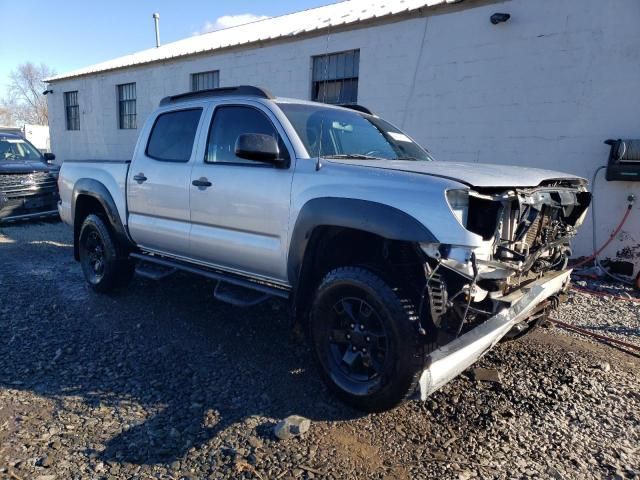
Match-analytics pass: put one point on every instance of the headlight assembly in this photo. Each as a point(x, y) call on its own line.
point(459, 203)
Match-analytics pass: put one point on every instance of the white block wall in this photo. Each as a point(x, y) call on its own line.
point(544, 89)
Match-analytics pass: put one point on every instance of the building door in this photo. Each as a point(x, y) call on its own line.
point(239, 207)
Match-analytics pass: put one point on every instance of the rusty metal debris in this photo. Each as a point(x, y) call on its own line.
point(601, 338)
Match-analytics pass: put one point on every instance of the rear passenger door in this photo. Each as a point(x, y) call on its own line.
point(158, 184)
point(240, 210)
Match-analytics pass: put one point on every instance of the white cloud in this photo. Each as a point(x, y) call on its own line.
point(227, 21)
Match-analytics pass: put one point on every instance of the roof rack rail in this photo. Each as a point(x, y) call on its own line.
point(356, 107)
point(246, 90)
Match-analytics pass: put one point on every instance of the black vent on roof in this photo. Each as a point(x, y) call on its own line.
point(242, 90)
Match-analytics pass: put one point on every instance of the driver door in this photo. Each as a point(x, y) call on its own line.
point(239, 207)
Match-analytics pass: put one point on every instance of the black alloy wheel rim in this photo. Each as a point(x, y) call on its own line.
point(95, 255)
point(358, 345)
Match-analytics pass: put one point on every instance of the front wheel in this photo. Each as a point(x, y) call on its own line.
point(365, 339)
point(103, 267)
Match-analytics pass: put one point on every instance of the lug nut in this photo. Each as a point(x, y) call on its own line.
point(353, 348)
point(364, 350)
point(368, 339)
point(361, 327)
point(352, 326)
point(348, 337)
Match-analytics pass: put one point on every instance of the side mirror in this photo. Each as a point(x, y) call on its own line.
point(49, 157)
point(258, 147)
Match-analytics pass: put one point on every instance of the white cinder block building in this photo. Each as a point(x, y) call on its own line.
point(544, 88)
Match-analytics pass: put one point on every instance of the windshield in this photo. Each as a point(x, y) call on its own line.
point(18, 149)
point(336, 133)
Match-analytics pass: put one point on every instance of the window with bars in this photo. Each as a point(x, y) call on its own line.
point(72, 110)
point(205, 80)
point(335, 77)
point(127, 105)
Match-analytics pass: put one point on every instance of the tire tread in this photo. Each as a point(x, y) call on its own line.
point(402, 309)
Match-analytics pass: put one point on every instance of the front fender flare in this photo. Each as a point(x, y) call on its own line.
point(368, 216)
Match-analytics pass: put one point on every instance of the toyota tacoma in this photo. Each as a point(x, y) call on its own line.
point(402, 270)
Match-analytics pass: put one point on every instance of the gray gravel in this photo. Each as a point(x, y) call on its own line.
point(605, 315)
point(162, 381)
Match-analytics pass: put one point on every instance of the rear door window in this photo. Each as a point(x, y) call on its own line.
point(173, 135)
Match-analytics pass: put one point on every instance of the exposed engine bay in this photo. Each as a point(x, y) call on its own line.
point(525, 234)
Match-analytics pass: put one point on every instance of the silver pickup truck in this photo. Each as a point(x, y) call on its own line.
point(402, 270)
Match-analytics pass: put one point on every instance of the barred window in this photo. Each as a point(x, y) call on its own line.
point(127, 105)
point(205, 80)
point(72, 110)
point(335, 77)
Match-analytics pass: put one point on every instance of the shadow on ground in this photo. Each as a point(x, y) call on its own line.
point(195, 366)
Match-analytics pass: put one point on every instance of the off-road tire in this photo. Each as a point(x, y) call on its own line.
point(112, 269)
point(400, 372)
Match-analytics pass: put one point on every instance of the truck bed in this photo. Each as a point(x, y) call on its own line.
point(111, 173)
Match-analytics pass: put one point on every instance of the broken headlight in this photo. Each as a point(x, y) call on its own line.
point(459, 203)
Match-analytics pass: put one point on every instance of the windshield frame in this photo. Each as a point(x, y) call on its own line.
point(374, 120)
point(30, 148)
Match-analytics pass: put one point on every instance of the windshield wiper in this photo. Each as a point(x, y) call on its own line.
point(354, 156)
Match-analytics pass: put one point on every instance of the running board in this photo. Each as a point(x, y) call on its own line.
point(154, 271)
point(218, 275)
point(238, 296)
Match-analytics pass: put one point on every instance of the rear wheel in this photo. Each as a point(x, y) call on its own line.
point(104, 267)
point(365, 339)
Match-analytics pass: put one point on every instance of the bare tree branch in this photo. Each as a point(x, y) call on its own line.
point(24, 101)
point(5, 115)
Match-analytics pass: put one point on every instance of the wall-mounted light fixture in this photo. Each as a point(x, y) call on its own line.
point(47, 91)
point(497, 18)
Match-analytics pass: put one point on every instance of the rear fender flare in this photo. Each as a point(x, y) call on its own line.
point(93, 188)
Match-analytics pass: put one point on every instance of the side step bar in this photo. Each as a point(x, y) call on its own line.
point(218, 275)
point(153, 271)
point(238, 297)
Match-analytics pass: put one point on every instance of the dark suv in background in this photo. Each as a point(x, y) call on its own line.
point(28, 181)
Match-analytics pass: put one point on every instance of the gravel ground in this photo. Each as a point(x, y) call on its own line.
point(606, 314)
point(162, 381)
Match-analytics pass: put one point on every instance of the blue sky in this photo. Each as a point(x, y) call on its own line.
point(68, 34)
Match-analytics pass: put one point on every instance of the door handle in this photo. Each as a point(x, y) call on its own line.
point(202, 182)
point(140, 178)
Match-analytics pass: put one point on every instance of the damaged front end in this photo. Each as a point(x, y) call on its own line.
point(506, 283)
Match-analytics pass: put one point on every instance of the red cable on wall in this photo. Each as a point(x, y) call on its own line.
point(606, 244)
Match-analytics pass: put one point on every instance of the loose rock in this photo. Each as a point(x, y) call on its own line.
point(292, 426)
point(487, 375)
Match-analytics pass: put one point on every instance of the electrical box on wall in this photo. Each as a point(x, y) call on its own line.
point(624, 160)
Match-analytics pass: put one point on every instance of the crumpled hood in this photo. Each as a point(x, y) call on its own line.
point(25, 166)
point(472, 174)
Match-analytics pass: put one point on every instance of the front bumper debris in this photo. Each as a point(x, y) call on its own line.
point(448, 361)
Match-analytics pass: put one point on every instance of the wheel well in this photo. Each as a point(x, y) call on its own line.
point(400, 263)
point(85, 205)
